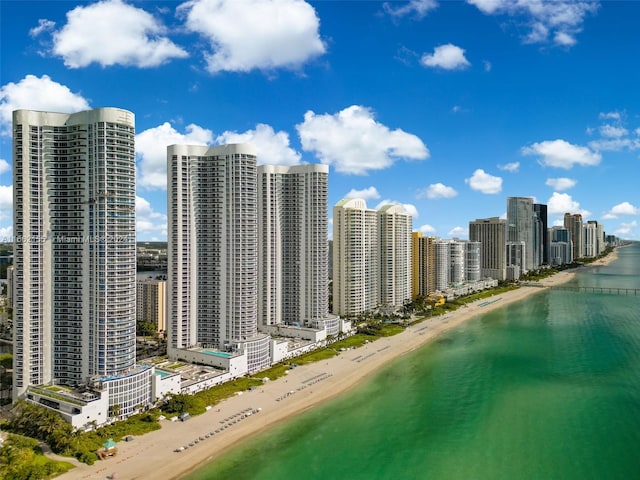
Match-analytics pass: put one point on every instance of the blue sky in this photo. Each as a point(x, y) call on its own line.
point(446, 107)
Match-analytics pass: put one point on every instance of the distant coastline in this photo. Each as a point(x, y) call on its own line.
point(277, 403)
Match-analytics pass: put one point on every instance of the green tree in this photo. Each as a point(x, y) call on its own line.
point(145, 329)
point(6, 360)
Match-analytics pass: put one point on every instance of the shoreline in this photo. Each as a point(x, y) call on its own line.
point(153, 455)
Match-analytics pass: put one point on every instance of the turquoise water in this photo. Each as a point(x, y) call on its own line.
point(548, 388)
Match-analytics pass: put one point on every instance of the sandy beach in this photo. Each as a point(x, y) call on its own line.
point(154, 456)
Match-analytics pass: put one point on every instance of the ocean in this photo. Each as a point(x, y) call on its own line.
point(546, 388)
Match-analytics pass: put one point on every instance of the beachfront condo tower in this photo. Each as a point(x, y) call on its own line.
point(212, 280)
point(491, 234)
point(293, 283)
point(356, 274)
point(522, 223)
point(422, 265)
point(395, 226)
point(75, 255)
point(573, 223)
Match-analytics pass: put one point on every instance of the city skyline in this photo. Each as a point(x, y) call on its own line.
point(447, 108)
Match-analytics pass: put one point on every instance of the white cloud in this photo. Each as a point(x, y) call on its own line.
point(561, 183)
point(615, 144)
point(6, 211)
point(560, 20)
point(624, 208)
point(255, 34)
point(447, 57)
point(564, 39)
point(609, 116)
point(426, 229)
point(370, 193)
point(110, 32)
point(355, 143)
point(561, 203)
point(4, 166)
point(437, 190)
point(148, 221)
point(637, 131)
point(457, 232)
point(6, 234)
point(562, 154)
point(613, 134)
point(626, 229)
point(6, 197)
point(418, 7)
point(407, 207)
point(33, 93)
point(487, 65)
point(273, 148)
point(510, 167)
point(44, 25)
point(612, 131)
point(151, 148)
point(487, 6)
point(484, 182)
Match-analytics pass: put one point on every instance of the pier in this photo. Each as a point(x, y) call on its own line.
point(605, 290)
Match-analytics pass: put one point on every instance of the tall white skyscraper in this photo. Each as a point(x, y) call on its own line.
point(472, 261)
point(292, 246)
point(442, 267)
point(75, 253)
point(593, 237)
point(356, 273)
point(395, 226)
point(212, 251)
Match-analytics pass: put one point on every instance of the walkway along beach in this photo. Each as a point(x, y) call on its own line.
point(207, 436)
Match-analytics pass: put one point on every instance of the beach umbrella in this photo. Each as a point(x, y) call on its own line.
point(109, 444)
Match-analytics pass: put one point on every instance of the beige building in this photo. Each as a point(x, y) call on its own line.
point(151, 303)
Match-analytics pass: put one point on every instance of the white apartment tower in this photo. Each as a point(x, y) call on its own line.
point(212, 276)
point(442, 266)
point(356, 281)
point(395, 226)
point(75, 253)
point(593, 238)
point(457, 262)
point(292, 246)
point(472, 261)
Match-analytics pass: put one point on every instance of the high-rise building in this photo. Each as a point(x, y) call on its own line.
point(573, 223)
point(75, 254)
point(521, 227)
point(151, 302)
point(442, 264)
point(593, 238)
point(395, 227)
point(212, 278)
point(516, 253)
point(422, 261)
point(560, 246)
point(456, 262)
point(541, 237)
point(491, 234)
point(293, 247)
point(472, 261)
point(356, 273)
